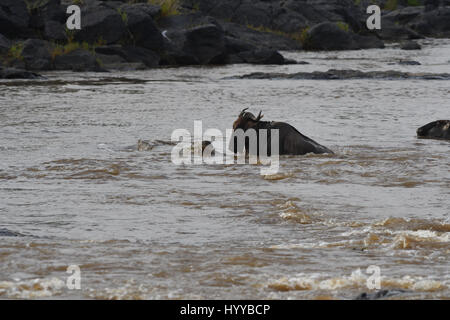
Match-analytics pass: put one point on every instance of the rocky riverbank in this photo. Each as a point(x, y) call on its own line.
point(142, 34)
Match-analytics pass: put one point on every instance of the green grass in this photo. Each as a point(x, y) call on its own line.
point(15, 51)
point(123, 15)
point(301, 37)
point(304, 37)
point(168, 7)
point(60, 50)
point(268, 30)
point(413, 3)
point(391, 5)
point(343, 26)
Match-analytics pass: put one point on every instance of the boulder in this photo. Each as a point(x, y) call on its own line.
point(14, 18)
point(435, 23)
point(394, 32)
point(46, 10)
point(264, 56)
point(55, 31)
point(206, 44)
point(100, 23)
point(410, 45)
point(13, 73)
point(203, 44)
point(5, 44)
point(266, 40)
point(131, 54)
point(77, 60)
point(235, 45)
point(141, 26)
point(328, 36)
point(368, 42)
point(409, 63)
point(402, 15)
point(36, 54)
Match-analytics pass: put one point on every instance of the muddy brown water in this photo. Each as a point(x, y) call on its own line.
point(74, 189)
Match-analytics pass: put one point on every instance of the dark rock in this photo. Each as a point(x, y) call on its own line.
point(409, 63)
point(131, 54)
point(14, 18)
point(206, 43)
point(435, 23)
point(410, 45)
point(5, 44)
point(55, 31)
point(394, 32)
point(328, 36)
point(185, 21)
point(368, 42)
point(402, 15)
point(46, 10)
point(137, 54)
point(77, 60)
point(100, 23)
point(381, 294)
point(435, 130)
point(8, 233)
point(141, 26)
point(345, 75)
point(253, 13)
point(36, 54)
point(257, 39)
point(152, 10)
point(13, 73)
point(234, 45)
point(264, 56)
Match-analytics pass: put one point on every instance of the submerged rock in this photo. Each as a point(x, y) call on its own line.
point(263, 57)
point(13, 73)
point(409, 63)
point(439, 129)
point(410, 45)
point(345, 75)
point(8, 233)
point(381, 294)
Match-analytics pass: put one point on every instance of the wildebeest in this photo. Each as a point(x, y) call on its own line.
point(439, 129)
point(291, 141)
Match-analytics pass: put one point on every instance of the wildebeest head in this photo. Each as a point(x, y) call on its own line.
point(246, 120)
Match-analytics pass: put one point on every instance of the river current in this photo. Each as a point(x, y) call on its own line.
point(75, 189)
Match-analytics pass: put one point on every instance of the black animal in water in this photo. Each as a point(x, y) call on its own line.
point(435, 130)
point(291, 141)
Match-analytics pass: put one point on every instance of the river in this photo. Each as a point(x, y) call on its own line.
point(74, 189)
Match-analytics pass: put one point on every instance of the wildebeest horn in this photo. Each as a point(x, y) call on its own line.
point(259, 117)
point(242, 112)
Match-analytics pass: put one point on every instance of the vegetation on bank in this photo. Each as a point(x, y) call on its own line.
point(168, 7)
point(15, 51)
point(59, 49)
point(301, 36)
point(393, 4)
point(343, 26)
